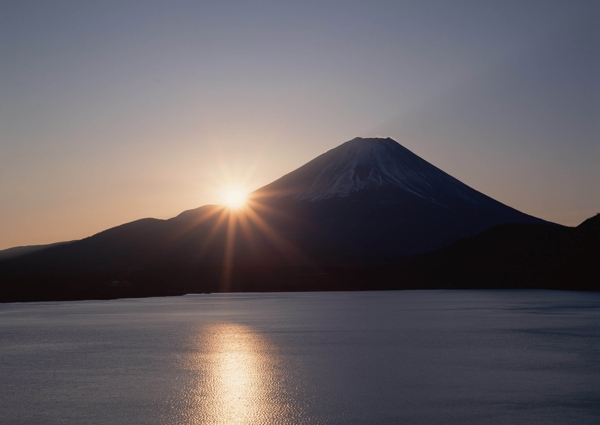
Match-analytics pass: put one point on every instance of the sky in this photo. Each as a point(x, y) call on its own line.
point(112, 111)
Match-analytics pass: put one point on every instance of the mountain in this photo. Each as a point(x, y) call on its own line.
point(369, 203)
point(374, 199)
point(514, 256)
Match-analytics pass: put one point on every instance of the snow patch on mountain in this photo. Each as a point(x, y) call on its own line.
point(369, 164)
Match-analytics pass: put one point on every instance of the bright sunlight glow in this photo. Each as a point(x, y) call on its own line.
point(234, 197)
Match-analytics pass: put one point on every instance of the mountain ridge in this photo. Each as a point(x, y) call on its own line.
point(368, 203)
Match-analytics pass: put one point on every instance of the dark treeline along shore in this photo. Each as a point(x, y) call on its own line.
point(366, 215)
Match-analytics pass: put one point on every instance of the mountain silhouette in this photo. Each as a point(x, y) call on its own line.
point(368, 203)
point(514, 256)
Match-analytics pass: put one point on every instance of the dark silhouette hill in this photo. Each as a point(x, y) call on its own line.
point(17, 251)
point(369, 204)
point(514, 256)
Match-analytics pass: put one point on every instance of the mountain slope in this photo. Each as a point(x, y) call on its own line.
point(17, 251)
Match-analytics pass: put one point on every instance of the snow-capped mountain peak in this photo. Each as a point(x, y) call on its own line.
point(369, 163)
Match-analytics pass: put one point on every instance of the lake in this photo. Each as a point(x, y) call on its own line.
point(393, 357)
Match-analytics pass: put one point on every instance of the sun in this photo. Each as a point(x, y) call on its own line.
point(234, 196)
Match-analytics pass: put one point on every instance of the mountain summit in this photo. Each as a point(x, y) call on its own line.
point(378, 164)
point(353, 166)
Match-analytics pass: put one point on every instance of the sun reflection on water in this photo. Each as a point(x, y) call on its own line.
point(238, 380)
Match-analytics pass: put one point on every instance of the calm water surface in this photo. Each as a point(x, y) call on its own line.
point(412, 357)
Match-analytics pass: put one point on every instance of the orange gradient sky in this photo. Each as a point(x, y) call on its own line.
point(114, 111)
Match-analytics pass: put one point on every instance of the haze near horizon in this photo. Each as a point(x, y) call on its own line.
point(111, 112)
